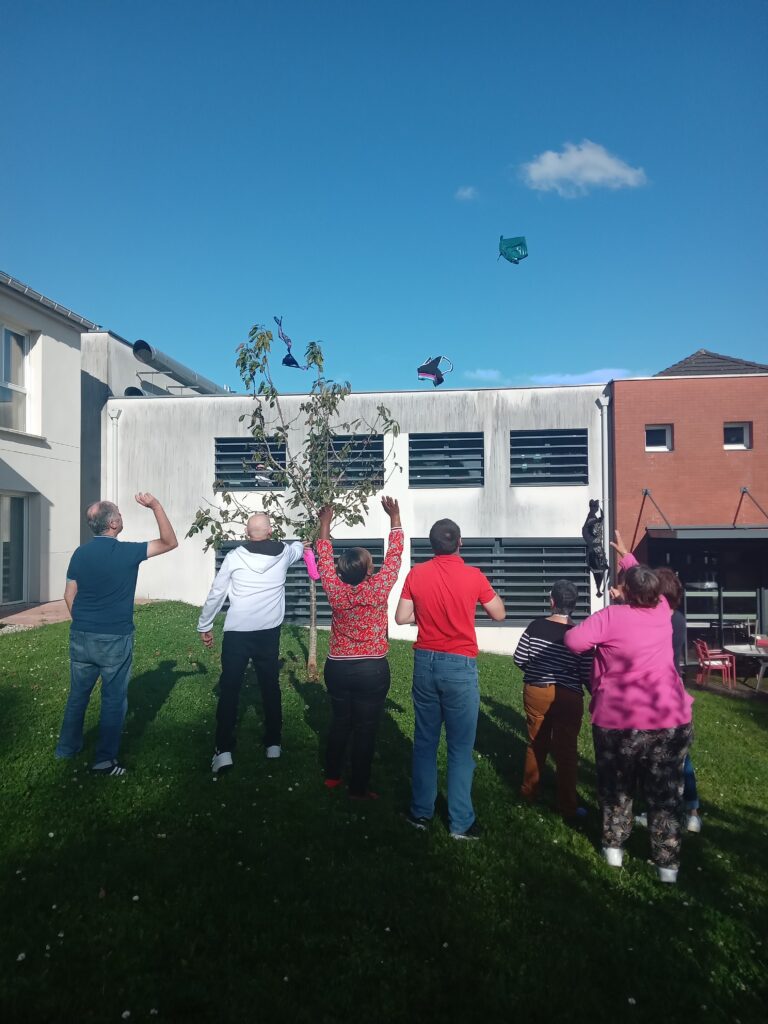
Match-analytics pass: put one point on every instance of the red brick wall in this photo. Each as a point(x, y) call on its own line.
point(698, 483)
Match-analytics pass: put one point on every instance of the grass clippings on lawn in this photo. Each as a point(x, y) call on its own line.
point(262, 895)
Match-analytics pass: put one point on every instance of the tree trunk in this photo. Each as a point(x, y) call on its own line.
point(312, 652)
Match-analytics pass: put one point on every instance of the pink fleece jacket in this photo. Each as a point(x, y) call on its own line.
point(635, 684)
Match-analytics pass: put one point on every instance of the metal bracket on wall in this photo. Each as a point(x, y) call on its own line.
point(745, 490)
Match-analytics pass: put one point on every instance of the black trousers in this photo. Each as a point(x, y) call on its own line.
point(358, 688)
point(262, 647)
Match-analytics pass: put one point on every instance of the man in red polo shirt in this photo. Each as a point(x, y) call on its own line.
point(441, 597)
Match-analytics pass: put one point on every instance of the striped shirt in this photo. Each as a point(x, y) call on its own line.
point(545, 660)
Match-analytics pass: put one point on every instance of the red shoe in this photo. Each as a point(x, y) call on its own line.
point(332, 783)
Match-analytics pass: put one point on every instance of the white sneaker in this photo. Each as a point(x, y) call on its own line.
point(221, 761)
point(668, 875)
point(693, 822)
point(613, 855)
point(274, 751)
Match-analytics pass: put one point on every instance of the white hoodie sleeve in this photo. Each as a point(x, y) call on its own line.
point(295, 551)
point(216, 597)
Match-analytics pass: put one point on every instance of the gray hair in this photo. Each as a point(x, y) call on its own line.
point(99, 515)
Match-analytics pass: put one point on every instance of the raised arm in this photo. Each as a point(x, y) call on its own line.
point(331, 583)
point(167, 540)
point(386, 577)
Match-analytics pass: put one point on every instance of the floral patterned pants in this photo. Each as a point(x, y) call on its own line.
point(652, 759)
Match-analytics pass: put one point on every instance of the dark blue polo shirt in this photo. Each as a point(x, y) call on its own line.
point(105, 570)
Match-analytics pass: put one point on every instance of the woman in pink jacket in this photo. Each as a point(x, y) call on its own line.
point(641, 716)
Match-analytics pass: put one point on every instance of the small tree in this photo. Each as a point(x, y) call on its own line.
point(310, 459)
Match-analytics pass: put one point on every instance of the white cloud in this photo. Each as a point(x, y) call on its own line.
point(600, 376)
point(493, 378)
point(577, 169)
point(465, 193)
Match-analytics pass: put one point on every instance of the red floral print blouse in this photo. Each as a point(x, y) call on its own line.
point(359, 614)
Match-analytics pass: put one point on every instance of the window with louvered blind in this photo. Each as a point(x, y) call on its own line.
point(241, 464)
point(354, 458)
point(521, 572)
point(446, 460)
point(297, 581)
point(548, 458)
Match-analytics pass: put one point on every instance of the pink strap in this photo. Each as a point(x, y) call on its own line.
point(309, 558)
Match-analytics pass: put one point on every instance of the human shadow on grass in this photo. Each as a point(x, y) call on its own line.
point(148, 693)
point(504, 748)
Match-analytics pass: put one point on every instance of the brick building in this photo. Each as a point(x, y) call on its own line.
point(690, 485)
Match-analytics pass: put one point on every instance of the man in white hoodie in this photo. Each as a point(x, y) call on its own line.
point(252, 576)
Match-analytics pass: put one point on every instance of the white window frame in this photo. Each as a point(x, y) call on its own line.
point(19, 389)
point(668, 445)
point(746, 444)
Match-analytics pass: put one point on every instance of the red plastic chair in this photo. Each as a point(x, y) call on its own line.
point(714, 660)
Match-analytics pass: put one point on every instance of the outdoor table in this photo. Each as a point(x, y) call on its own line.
point(751, 651)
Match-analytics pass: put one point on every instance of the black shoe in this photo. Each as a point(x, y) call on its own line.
point(113, 768)
point(422, 824)
point(473, 832)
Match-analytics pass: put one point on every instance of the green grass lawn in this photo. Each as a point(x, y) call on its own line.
point(264, 897)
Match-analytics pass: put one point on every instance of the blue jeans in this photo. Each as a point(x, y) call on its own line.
point(690, 792)
point(92, 655)
point(445, 689)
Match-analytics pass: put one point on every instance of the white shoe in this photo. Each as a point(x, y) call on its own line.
point(614, 856)
point(221, 762)
point(693, 822)
point(274, 751)
point(668, 875)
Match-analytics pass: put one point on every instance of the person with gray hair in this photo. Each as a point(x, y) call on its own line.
point(100, 589)
point(252, 576)
point(553, 700)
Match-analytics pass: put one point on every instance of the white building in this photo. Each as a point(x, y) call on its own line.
point(515, 469)
point(57, 371)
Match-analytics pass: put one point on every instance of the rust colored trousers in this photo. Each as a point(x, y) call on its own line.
point(553, 716)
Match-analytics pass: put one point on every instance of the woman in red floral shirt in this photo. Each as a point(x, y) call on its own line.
point(357, 671)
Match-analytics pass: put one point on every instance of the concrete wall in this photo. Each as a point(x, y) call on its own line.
point(166, 446)
point(108, 368)
point(43, 462)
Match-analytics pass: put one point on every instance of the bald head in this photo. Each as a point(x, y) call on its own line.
point(258, 527)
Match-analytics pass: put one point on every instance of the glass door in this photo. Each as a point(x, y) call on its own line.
point(12, 548)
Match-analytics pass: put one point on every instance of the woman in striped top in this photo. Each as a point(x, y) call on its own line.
point(356, 670)
point(553, 700)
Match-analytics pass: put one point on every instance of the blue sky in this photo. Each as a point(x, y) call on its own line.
point(180, 170)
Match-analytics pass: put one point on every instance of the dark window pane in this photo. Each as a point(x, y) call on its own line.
point(656, 437)
point(244, 464)
point(548, 457)
point(735, 435)
point(355, 458)
point(446, 460)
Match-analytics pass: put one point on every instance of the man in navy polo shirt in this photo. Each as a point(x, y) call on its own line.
point(101, 584)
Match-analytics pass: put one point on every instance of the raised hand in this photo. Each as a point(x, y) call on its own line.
point(619, 545)
point(147, 500)
point(391, 507)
